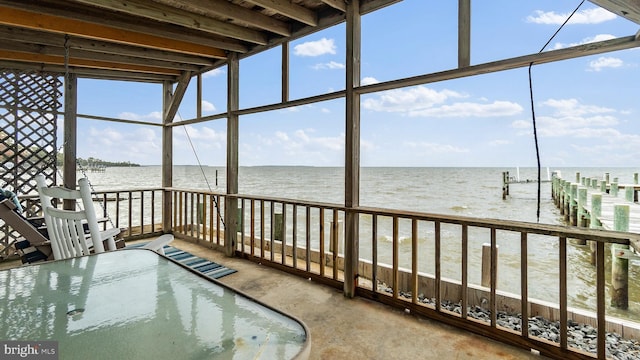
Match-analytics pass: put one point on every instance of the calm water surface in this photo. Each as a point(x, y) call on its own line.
point(474, 192)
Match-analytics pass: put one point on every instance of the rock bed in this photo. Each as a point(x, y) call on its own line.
point(580, 336)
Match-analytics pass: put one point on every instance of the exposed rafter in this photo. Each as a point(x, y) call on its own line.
point(167, 14)
point(290, 10)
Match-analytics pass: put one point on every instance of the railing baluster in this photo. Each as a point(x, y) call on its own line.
point(130, 214)
point(189, 203)
point(294, 235)
point(465, 270)
point(253, 227)
point(600, 299)
point(283, 241)
point(395, 258)
point(262, 229)
point(322, 254)
point(494, 277)
point(438, 257)
point(308, 238)
point(141, 212)
point(524, 285)
point(563, 292)
point(218, 212)
point(374, 252)
point(153, 211)
point(334, 242)
point(414, 261)
point(242, 227)
point(271, 230)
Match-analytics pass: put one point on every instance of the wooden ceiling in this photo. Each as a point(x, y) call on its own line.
point(158, 40)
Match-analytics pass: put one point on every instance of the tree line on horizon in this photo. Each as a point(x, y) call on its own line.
point(92, 162)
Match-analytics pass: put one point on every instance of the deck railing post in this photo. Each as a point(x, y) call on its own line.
point(619, 265)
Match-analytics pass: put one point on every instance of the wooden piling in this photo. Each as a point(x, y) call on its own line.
point(619, 266)
point(629, 193)
point(573, 209)
point(581, 215)
point(505, 184)
point(486, 265)
point(596, 212)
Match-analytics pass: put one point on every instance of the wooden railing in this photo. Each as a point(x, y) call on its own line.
point(421, 263)
point(396, 268)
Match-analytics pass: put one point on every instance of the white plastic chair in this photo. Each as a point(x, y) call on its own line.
point(66, 227)
point(158, 244)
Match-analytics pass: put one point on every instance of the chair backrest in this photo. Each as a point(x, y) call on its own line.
point(66, 227)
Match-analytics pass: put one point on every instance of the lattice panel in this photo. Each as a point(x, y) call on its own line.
point(29, 104)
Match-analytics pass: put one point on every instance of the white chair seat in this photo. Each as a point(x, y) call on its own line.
point(66, 227)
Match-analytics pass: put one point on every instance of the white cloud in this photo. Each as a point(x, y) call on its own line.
point(605, 62)
point(213, 73)
point(421, 101)
point(500, 142)
point(315, 48)
point(468, 109)
point(570, 118)
point(332, 65)
point(588, 40)
point(368, 80)
point(587, 16)
point(207, 106)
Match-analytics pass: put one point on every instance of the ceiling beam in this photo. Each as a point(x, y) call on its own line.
point(88, 73)
point(167, 14)
point(290, 10)
point(38, 21)
point(630, 10)
point(122, 21)
point(228, 10)
point(96, 64)
point(52, 39)
point(337, 4)
point(93, 55)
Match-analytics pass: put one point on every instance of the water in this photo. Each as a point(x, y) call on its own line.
point(473, 192)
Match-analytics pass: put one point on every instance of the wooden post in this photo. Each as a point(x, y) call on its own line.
point(231, 202)
point(603, 187)
point(573, 210)
point(596, 212)
point(582, 212)
point(628, 193)
point(505, 184)
point(606, 178)
point(278, 227)
point(578, 177)
point(635, 178)
point(486, 265)
point(352, 147)
point(619, 266)
point(614, 189)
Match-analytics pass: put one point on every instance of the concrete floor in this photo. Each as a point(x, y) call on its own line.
point(352, 329)
point(356, 328)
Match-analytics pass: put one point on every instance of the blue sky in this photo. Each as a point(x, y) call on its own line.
point(586, 109)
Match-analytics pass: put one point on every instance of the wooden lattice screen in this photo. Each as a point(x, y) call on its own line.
point(29, 106)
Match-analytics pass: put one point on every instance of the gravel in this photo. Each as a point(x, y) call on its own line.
point(580, 336)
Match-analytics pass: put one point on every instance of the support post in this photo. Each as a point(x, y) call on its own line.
point(70, 135)
point(619, 266)
point(352, 147)
point(231, 202)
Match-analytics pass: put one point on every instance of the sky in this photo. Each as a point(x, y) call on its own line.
point(586, 109)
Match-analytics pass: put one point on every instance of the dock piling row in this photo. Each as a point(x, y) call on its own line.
point(603, 209)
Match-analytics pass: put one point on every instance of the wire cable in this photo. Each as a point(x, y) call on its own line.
point(533, 110)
